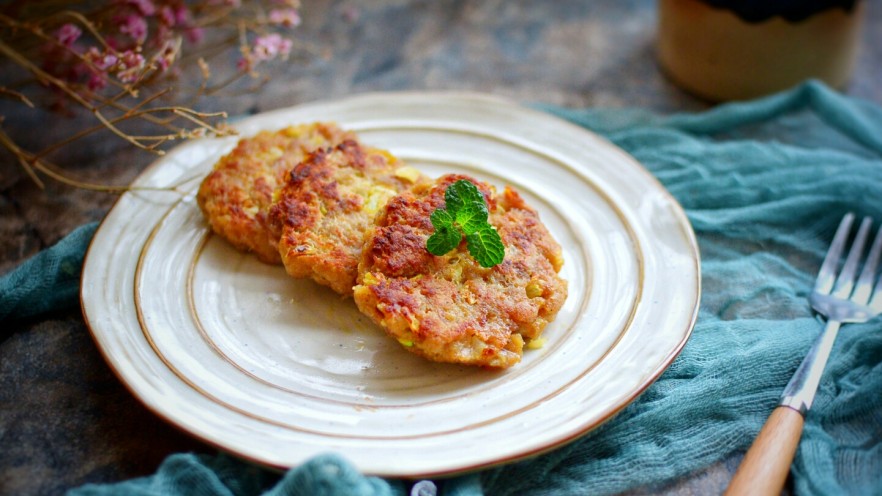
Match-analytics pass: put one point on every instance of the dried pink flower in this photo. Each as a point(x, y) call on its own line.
point(182, 15)
point(167, 15)
point(286, 17)
point(103, 61)
point(134, 26)
point(131, 58)
point(166, 57)
point(131, 64)
point(194, 35)
point(97, 82)
point(113, 42)
point(68, 34)
point(145, 6)
point(271, 46)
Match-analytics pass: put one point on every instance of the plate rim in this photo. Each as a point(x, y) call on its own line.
point(682, 222)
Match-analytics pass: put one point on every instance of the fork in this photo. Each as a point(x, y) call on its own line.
point(841, 299)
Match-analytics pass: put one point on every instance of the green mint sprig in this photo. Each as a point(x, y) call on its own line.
point(465, 214)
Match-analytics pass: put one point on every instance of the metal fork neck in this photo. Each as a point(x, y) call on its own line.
point(840, 310)
point(800, 391)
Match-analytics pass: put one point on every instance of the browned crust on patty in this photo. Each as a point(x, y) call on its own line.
point(327, 204)
point(237, 193)
point(448, 308)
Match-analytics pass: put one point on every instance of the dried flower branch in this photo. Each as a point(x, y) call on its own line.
point(116, 60)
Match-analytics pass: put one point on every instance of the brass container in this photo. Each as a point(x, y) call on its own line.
point(717, 55)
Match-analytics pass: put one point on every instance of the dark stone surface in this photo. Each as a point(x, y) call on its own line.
point(65, 418)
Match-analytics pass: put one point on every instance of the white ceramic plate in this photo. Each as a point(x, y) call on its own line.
point(278, 370)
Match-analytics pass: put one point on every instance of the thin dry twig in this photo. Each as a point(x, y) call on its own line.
point(18, 95)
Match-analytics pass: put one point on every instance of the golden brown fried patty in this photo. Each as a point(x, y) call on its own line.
point(448, 308)
point(235, 196)
point(327, 204)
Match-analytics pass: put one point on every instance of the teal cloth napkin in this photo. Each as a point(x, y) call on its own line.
point(47, 282)
point(764, 184)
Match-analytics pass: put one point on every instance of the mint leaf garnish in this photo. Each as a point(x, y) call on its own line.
point(453, 198)
point(466, 214)
point(461, 194)
point(466, 204)
point(485, 246)
point(446, 236)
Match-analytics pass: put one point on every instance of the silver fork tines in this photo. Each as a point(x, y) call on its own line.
point(843, 298)
point(865, 282)
point(845, 281)
point(847, 300)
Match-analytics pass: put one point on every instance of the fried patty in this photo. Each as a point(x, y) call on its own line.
point(448, 308)
point(326, 205)
point(236, 195)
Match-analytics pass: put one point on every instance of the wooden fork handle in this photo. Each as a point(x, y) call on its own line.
point(767, 463)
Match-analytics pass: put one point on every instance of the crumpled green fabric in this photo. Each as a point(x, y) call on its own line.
point(764, 184)
point(49, 281)
point(221, 475)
